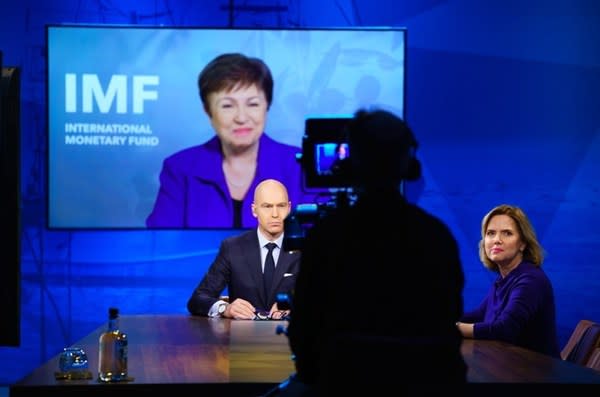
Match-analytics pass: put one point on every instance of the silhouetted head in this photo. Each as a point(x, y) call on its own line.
point(382, 150)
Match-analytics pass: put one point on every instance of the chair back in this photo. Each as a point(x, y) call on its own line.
point(589, 341)
point(575, 337)
point(594, 360)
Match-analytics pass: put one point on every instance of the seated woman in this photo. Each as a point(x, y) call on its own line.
point(519, 307)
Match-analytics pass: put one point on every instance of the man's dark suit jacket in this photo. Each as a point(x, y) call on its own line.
point(238, 267)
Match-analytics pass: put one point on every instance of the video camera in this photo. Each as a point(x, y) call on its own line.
point(325, 162)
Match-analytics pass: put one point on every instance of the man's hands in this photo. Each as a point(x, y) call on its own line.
point(276, 314)
point(241, 309)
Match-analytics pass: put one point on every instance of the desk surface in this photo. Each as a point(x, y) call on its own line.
point(250, 355)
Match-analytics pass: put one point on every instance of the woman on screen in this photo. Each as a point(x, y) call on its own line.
point(206, 186)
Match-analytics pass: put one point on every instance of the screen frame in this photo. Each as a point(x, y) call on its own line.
point(54, 225)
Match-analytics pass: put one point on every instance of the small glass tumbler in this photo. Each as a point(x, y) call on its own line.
point(73, 359)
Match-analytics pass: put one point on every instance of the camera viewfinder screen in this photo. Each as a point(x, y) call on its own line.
point(329, 155)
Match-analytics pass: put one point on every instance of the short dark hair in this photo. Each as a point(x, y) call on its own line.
point(230, 70)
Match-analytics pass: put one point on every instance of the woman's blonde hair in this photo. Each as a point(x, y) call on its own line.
point(533, 251)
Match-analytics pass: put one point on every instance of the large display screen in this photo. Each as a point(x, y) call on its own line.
point(121, 99)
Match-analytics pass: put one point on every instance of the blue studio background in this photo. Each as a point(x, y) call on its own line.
point(502, 95)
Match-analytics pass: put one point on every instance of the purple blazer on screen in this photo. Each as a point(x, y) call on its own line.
point(193, 192)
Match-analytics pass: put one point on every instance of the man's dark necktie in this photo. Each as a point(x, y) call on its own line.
point(269, 269)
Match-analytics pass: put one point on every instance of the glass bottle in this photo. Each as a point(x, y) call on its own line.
point(112, 351)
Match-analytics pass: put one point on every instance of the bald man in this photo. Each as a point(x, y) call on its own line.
point(240, 263)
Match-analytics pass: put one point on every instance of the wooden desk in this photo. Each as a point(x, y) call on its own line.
point(182, 354)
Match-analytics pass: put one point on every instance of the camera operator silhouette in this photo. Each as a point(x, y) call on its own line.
point(380, 283)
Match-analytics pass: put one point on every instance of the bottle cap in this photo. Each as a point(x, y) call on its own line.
point(113, 312)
